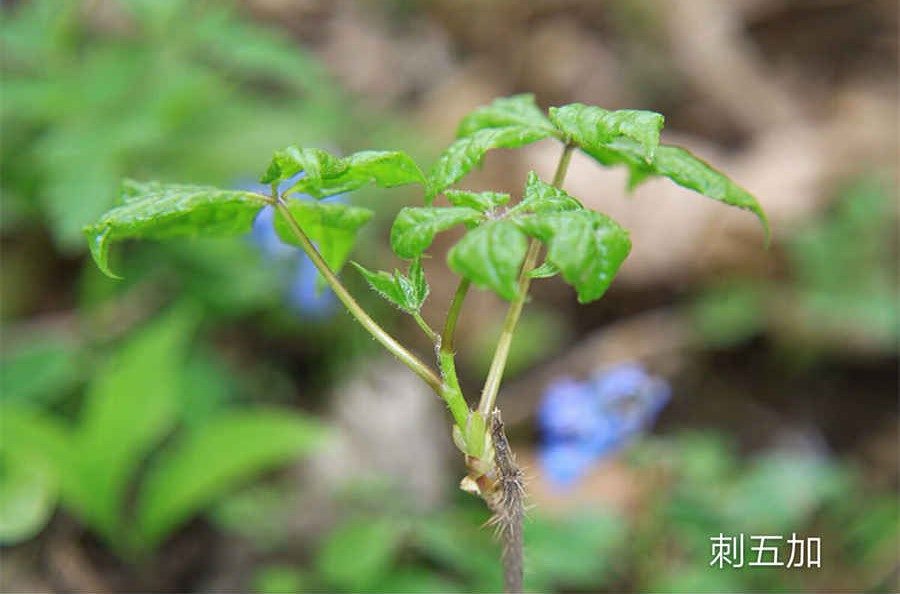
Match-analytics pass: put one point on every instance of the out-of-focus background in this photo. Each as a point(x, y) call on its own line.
point(212, 422)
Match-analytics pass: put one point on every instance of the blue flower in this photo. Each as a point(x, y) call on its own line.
point(582, 422)
point(304, 292)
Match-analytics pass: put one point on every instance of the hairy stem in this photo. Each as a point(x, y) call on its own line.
point(508, 504)
point(371, 326)
point(501, 354)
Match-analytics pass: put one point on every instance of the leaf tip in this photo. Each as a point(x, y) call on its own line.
point(98, 242)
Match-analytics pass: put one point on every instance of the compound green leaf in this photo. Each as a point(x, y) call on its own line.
point(491, 256)
point(130, 406)
point(517, 110)
point(593, 128)
point(415, 227)
point(587, 248)
point(212, 461)
point(468, 152)
point(386, 169)
point(158, 211)
point(541, 197)
point(480, 201)
point(333, 228)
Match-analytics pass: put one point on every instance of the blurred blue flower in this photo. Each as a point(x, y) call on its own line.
point(581, 422)
point(304, 292)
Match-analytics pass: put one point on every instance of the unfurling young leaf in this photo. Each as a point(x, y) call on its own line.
point(546, 270)
point(327, 175)
point(509, 122)
point(415, 227)
point(480, 201)
point(406, 292)
point(160, 211)
point(333, 228)
point(491, 256)
point(542, 197)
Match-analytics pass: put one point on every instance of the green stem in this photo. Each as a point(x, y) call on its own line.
point(501, 353)
point(452, 393)
point(431, 334)
point(371, 326)
point(447, 359)
point(453, 315)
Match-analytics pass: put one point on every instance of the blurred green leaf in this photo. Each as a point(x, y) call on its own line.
point(280, 579)
point(189, 92)
point(539, 335)
point(730, 313)
point(491, 256)
point(595, 129)
point(26, 432)
point(414, 228)
point(359, 553)
point(781, 491)
point(697, 579)
point(260, 513)
point(129, 407)
point(571, 552)
point(587, 247)
point(157, 211)
point(28, 492)
point(213, 459)
point(39, 372)
point(333, 228)
point(845, 265)
point(413, 580)
point(455, 540)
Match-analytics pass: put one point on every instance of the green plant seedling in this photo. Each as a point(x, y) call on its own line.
point(505, 246)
